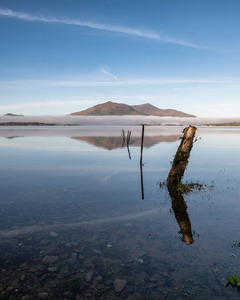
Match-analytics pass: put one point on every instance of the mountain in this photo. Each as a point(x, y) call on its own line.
point(120, 109)
point(12, 115)
point(151, 110)
point(108, 108)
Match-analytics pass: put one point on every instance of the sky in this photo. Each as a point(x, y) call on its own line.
point(61, 56)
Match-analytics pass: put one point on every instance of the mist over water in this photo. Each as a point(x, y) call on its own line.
point(116, 120)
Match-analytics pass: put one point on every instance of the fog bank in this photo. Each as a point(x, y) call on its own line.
point(116, 120)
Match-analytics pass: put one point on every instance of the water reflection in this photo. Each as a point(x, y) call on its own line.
point(141, 176)
point(68, 199)
point(127, 140)
point(14, 137)
point(116, 142)
point(179, 207)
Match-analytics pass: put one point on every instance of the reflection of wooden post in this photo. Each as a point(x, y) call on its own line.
point(141, 172)
point(142, 145)
point(128, 137)
point(129, 154)
point(181, 158)
point(180, 210)
point(124, 138)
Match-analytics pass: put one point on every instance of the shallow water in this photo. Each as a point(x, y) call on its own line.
point(75, 193)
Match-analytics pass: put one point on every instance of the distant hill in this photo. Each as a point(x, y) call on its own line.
point(12, 115)
point(108, 108)
point(120, 109)
point(151, 110)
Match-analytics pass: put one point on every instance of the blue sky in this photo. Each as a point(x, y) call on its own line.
point(61, 56)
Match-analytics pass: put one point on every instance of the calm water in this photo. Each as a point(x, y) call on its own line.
point(73, 219)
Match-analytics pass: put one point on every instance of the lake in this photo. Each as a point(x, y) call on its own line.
point(80, 219)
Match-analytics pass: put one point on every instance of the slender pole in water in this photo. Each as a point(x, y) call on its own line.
point(142, 145)
point(141, 161)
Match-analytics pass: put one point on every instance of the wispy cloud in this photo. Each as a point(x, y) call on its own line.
point(125, 82)
point(108, 73)
point(50, 103)
point(105, 27)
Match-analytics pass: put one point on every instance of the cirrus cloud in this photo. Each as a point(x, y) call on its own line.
point(98, 26)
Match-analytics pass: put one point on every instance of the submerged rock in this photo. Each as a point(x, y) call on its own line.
point(22, 277)
point(50, 259)
point(52, 269)
point(97, 251)
point(43, 295)
point(54, 234)
point(119, 285)
point(27, 289)
point(89, 276)
point(74, 255)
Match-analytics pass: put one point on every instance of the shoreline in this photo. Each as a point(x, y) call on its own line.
point(17, 124)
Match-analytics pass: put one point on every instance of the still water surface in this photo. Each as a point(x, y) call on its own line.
point(73, 219)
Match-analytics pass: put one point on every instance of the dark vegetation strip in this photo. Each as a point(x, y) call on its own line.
point(34, 124)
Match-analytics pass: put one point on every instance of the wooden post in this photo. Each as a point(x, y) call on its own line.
point(180, 161)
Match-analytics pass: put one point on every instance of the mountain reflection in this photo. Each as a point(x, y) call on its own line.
point(115, 142)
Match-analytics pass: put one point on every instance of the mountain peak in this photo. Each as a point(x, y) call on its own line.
point(120, 109)
point(108, 108)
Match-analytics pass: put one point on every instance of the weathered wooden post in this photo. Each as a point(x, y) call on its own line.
point(180, 160)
